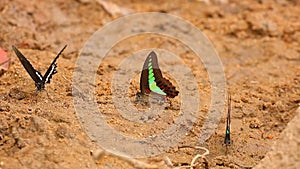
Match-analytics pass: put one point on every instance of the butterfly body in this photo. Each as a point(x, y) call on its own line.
point(36, 76)
point(153, 82)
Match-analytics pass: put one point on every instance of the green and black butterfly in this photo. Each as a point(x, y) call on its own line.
point(152, 81)
point(227, 132)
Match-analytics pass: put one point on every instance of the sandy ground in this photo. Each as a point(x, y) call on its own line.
point(257, 41)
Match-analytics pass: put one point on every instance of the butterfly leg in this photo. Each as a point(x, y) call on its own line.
point(49, 97)
point(141, 99)
point(35, 92)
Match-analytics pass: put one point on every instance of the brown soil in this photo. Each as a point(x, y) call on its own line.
point(258, 42)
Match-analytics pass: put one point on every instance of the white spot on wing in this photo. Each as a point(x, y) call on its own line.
point(50, 73)
point(39, 75)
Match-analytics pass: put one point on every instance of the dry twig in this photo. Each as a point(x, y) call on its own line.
point(166, 163)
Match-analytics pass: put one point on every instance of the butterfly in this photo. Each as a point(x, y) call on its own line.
point(152, 81)
point(36, 76)
point(227, 132)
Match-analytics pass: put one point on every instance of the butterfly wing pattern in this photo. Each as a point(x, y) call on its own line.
point(36, 75)
point(227, 132)
point(52, 68)
point(152, 80)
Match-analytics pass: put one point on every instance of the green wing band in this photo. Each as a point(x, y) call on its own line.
point(151, 80)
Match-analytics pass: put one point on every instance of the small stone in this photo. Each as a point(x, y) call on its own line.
point(17, 94)
point(254, 123)
point(63, 131)
point(291, 54)
point(269, 136)
point(39, 124)
point(4, 108)
point(244, 100)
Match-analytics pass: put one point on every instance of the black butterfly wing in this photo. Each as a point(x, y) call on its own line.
point(34, 74)
point(164, 84)
point(227, 132)
point(144, 81)
point(144, 84)
point(52, 68)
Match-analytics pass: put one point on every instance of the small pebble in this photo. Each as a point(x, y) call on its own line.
point(16, 94)
point(269, 136)
point(254, 123)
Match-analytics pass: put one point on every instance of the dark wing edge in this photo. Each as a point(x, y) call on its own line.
point(52, 68)
point(227, 132)
point(163, 83)
point(34, 74)
point(144, 84)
